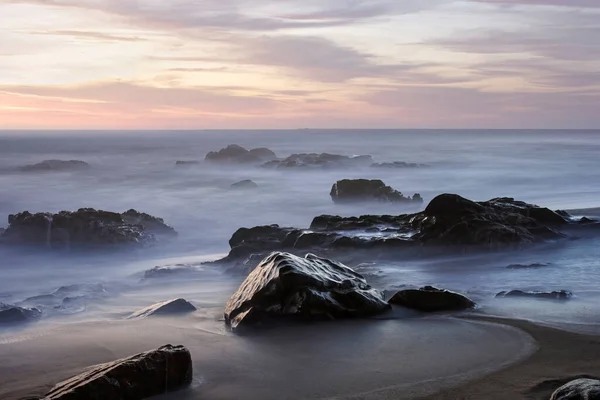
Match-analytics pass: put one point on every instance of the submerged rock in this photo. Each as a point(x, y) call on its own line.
point(56, 165)
point(398, 164)
point(183, 163)
point(16, 315)
point(85, 227)
point(528, 266)
point(284, 285)
point(431, 299)
point(556, 295)
point(169, 307)
point(356, 190)
point(234, 154)
point(579, 389)
point(165, 271)
point(323, 160)
point(143, 375)
point(245, 184)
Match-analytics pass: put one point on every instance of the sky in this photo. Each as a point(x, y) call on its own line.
point(273, 64)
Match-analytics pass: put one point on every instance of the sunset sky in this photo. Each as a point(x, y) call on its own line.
point(185, 64)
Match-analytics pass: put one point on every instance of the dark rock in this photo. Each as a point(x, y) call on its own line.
point(398, 164)
point(152, 373)
point(245, 184)
point(323, 160)
point(353, 190)
point(186, 163)
point(284, 285)
point(170, 307)
point(165, 271)
point(556, 295)
point(431, 299)
point(528, 266)
point(85, 227)
point(56, 165)
point(580, 389)
point(14, 315)
point(234, 154)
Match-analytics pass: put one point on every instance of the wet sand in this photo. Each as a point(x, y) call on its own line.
point(410, 357)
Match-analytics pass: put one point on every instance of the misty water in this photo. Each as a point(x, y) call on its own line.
point(556, 169)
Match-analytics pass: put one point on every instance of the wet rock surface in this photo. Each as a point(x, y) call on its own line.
point(361, 190)
point(143, 375)
point(322, 160)
point(85, 227)
point(234, 154)
point(245, 184)
point(284, 285)
point(579, 389)
point(10, 314)
point(431, 299)
point(556, 295)
point(165, 308)
point(56, 165)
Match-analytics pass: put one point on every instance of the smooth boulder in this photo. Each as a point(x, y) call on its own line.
point(284, 285)
point(56, 165)
point(431, 299)
point(358, 190)
point(556, 295)
point(143, 375)
point(579, 389)
point(165, 308)
point(16, 315)
point(245, 184)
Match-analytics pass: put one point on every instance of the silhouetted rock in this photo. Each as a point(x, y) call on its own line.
point(85, 227)
point(356, 190)
point(556, 295)
point(527, 266)
point(165, 308)
point(17, 315)
point(183, 163)
point(152, 373)
point(56, 165)
point(398, 164)
point(579, 389)
point(431, 299)
point(234, 154)
point(284, 285)
point(323, 160)
point(245, 184)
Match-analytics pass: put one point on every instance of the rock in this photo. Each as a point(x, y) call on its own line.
point(85, 227)
point(165, 271)
point(528, 266)
point(431, 299)
point(353, 190)
point(56, 165)
point(556, 295)
point(186, 163)
point(398, 164)
point(323, 160)
point(15, 315)
point(580, 389)
point(245, 184)
point(234, 154)
point(143, 375)
point(284, 285)
point(169, 307)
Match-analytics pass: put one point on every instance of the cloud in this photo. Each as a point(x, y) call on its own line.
point(91, 35)
point(557, 3)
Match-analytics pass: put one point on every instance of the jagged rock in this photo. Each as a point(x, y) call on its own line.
point(431, 299)
point(398, 164)
point(15, 315)
point(169, 307)
point(143, 375)
point(235, 154)
point(284, 285)
point(556, 295)
point(528, 266)
point(85, 227)
point(579, 389)
point(355, 190)
point(56, 165)
point(323, 160)
point(245, 184)
point(184, 163)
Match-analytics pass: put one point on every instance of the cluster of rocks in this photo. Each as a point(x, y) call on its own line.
point(85, 227)
point(360, 190)
point(323, 160)
point(234, 154)
point(56, 165)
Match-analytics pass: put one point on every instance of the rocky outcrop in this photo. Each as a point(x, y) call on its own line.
point(152, 373)
point(323, 160)
point(85, 227)
point(183, 163)
point(234, 154)
point(165, 308)
point(56, 165)
point(431, 299)
point(556, 295)
point(579, 389)
point(284, 285)
point(360, 190)
point(17, 315)
point(245, 184)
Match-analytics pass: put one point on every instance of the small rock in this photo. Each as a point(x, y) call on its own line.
point(245, 184)
point(353, 190)
point(580, 389)
point(528, 266)
point(556, 295)
point(431, 299)
point(169, 307)
point(56, 165)
point(186, 163)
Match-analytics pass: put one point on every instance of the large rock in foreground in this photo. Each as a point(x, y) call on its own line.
point(56, 165)
point(165, 308)
point(152, 373)
point(234, 154)
point(85, 227)
point(580, 389)
point(17, 315)
point(431, 299)
point(284, 285)
point(358, 190)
